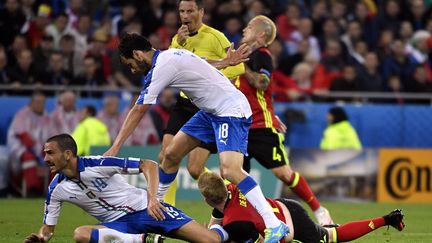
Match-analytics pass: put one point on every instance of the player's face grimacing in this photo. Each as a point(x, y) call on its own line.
point(190, 15)
point(136, 67)
point(249, 32)
point(54, 158)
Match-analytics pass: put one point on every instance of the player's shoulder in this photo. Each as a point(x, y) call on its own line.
point(214, 32)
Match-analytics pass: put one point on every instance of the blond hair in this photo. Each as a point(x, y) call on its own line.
point(212, 187)
point(268, 26)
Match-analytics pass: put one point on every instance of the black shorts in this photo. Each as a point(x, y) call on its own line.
point(305, 230)
point(182, 111)
point(266, 146)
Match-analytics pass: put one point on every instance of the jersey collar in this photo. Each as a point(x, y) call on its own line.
point(155, 56)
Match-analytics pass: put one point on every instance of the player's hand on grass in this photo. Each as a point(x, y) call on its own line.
point(235, 57)
point(155, 209)
point(34, 238)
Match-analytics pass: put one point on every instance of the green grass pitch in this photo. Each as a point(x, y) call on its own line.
point(20, 217)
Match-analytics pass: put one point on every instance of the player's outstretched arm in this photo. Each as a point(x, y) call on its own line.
point(44, 235)
point(233, 58)
point(131, 122)
point(150, 170)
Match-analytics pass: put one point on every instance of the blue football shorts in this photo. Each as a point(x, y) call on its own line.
point(140, 222)
point(229, 133)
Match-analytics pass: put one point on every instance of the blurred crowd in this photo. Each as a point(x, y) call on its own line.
point(322, 46)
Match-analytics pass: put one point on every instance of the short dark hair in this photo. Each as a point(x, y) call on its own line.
point(198, 2)
point(91, 110)
point(130, 42)
point(65, 142)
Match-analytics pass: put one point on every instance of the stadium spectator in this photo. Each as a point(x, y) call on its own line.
point(26, 135)
point(232, 30)
point(146, 132)
point(417, 14)
point(141, 211)
point(81, 33)
point(19, 43)
point(58, 28)
point(318, 15)
point(24, 72)
point(399, 63)
point(339, 134)
point(168, 29)
point(330, 31)
point(391, 17)
point(36, 27)
point(129, 11)
point(90, 131)
point(4, 69)
point(12, 20)
point(349, 81)
point(304, 32)
point(330, 66)
point(100, 53)
point(73, 60)
point(232, 210)
point(42, 53)
point(394, 85)
point(420, 81)
point(367, 22)
point(266, 134)
point(91, 78)
point(354, 34)
point(227, 113)
point(151, 14)
point(110, 115)
point(65, 116)
point(370, 78)
point(73, 11)
point(287, 22)
point(55, 74)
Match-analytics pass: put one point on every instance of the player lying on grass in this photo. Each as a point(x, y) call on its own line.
point(126, 213)
point(243, 224)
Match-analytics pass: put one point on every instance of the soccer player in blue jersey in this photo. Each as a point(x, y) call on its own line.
point(224, 118)
point(126, 213)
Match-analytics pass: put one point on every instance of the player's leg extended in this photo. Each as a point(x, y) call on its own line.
point(170, 196)
point(301, 188)
point(181, 145)
point(356, 229)
point(194, 232)
point(101, 234)
point(196, 161)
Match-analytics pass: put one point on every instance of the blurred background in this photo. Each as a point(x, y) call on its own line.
point(372, 58)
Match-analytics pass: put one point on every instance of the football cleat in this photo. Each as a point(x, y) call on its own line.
point(395, 219)
point(153, 238)
point(273, 235)
point(323, 216)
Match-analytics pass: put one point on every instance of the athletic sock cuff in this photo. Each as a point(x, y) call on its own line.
point(246, 185)
point(166, 178)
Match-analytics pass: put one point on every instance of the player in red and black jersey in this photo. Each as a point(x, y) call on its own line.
point(243, 223)
point(265, 140)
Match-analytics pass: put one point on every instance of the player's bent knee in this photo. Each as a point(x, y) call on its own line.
point(82, 235)
point(194, 170)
